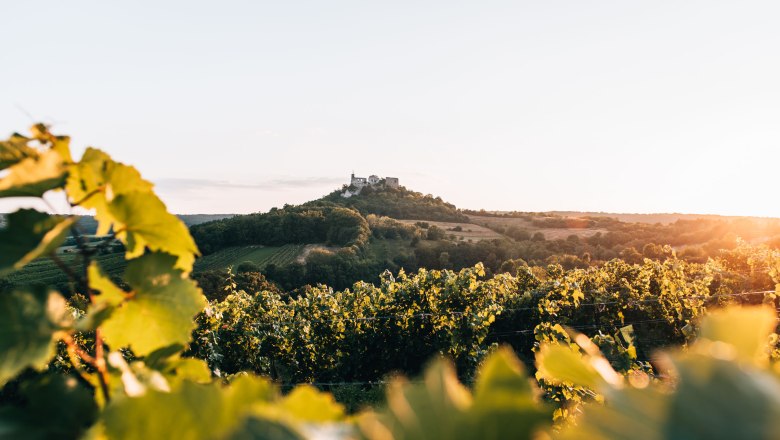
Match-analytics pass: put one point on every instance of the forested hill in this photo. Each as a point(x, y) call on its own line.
point(332, 224)
point(398, 203)
point(333, 220)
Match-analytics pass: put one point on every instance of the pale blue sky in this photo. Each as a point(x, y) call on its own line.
point(549, 105)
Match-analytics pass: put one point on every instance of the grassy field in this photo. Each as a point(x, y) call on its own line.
point(469, 231)
point(381, 250)
point(549, 233)
point(260, 255)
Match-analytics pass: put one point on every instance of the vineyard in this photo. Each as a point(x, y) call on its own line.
point(46, 271)
point(260, 255)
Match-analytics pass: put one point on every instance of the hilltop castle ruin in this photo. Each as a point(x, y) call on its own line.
point(358, 183)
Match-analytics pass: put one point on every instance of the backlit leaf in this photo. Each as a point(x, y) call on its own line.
point(107, 295)
point(144, 222)
point(160, 309)
point(505, 405)
point(60, 144)
point(96, 180)
point(561, 364)
point(306, 403)
point(14, 150)
point(28, 323)
point(107, 291)
point(434, 409)
point(54, 407)
point(746, 329)
point(33, 176)
point(29, 235)
point(255, 428)
point(190, 411)
point(716, 398)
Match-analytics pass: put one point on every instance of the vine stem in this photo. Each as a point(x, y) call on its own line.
point(100, 364)
point(88, 196)
point(74, 347)
point(73, 354)
point(100, 358)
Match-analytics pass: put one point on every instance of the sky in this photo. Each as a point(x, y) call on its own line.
point(240, 106)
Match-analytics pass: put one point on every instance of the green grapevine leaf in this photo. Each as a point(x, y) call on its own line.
point(561, 364)
point(190, 411)
point(500, 372)
point(628, 414)
point(55, 406)
point(718, 398)
point(28, 323)
point(107, 296)
point(745, 329)
point(505, 405)
point(194, 370)
point(160, 309)
point(306, 403)
point(33, 176)
point(434, 409)
point(143, 221)
point(14, 150)
point(254, 428)
point(60, 144)
point(720, 390)
point(29, 235)
point(97, 179)
point(168, 360)
point(714, 398)
point(108, 292)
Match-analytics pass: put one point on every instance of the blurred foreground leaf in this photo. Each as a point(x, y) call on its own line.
point(504, 405)
point(29, 235)
point(54, 407)
point(29, 320)
point(160, 308)
point(33, 176)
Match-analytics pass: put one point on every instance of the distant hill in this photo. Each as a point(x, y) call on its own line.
point(662, 218)
point(332, 219)
point(398, 203)
point(88, 224)
point(326, 223)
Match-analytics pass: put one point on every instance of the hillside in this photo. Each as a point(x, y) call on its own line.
point(304, 224)
point(317, 221)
